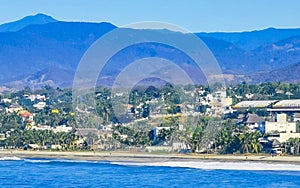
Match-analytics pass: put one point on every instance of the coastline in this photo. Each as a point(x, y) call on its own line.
point(143, 157)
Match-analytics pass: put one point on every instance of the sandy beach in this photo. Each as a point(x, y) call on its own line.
point(117, 156)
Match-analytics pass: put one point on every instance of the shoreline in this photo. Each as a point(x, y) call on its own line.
point(143, 157)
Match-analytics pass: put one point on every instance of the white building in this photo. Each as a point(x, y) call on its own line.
point(42, 128)
point(219, 102)
point(35, 97)
point(254, 104)
point(6, 100)
point(281, 125)
point(284, 128)
point(62, 128)
point(40, 105)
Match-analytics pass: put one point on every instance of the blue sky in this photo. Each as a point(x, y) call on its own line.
point(193, 15)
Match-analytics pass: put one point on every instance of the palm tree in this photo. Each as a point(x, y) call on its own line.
point(249, 142)
point(255, 144)
point(293, 145)
point(245, 143)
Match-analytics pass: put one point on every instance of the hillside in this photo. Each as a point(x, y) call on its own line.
point(59, 45)
point(26, 21)
point(289, 74)
point(42, 50)
point(250, 40)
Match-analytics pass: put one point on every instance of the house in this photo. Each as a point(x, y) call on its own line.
point(54, 111)
point(35, 97)
point(159, 148)
point(85, 131)
point(157, 130)
point(296, 117)
point(14, 108)
point(129, 108)
point(40, 105)
point(270, 145)
point(6, 100)
point(82, 134)
point(34, 147)
point(2, 136)
point(56, 147)
point(178, 146)
point(42, 128)
point(25, 115)
point(62, 128)
point(255, 122)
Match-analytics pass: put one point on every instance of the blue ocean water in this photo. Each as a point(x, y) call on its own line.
point(15, 172)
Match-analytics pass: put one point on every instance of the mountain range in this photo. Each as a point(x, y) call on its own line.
point(39, 50)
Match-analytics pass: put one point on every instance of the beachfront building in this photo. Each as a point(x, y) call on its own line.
point(281, 121)
point(290, 107)
point(259, 104)
point(282, 129)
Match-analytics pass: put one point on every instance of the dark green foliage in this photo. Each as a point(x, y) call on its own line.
point(22, 138)
point(234, 138)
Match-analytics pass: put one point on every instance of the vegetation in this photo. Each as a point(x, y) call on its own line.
point(233, 138)
point(139, 126)
point(264, 91)
point(23, 138)
point(292, 146)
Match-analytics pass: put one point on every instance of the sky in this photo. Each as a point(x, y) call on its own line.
point(192, 15)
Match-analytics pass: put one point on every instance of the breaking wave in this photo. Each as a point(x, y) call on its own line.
point(46, 160)
point(37, 160)
point(209, 165)
point(10, 158)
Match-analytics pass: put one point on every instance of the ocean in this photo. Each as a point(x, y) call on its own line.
point(42, 172)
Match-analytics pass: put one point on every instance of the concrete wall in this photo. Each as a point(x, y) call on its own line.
point(283, 137)
point(287, 127)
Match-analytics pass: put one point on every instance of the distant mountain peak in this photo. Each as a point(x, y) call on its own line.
point(26, 21)
point(42, 16)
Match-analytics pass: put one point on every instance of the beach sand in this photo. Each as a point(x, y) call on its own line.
point(125, 156)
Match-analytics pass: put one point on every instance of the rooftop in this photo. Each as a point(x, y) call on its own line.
point(254, 104)
point(287, 104)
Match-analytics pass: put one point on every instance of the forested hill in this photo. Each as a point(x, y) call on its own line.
point(40, 50)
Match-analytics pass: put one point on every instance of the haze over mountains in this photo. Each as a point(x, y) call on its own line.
point(38, 50)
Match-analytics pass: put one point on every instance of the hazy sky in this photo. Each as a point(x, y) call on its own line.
point(193, 15)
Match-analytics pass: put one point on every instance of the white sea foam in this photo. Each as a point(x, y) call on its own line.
point(51, 160)
point(46, 160)
point(10, 158)
point(216, 165)
point(37, 160)
point(73, 161)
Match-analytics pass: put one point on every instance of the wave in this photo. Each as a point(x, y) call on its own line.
point(74, 161)
point(37, 160)
point(47, 160)
point(43, 160)
point(256, 166)
point(10, 158)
